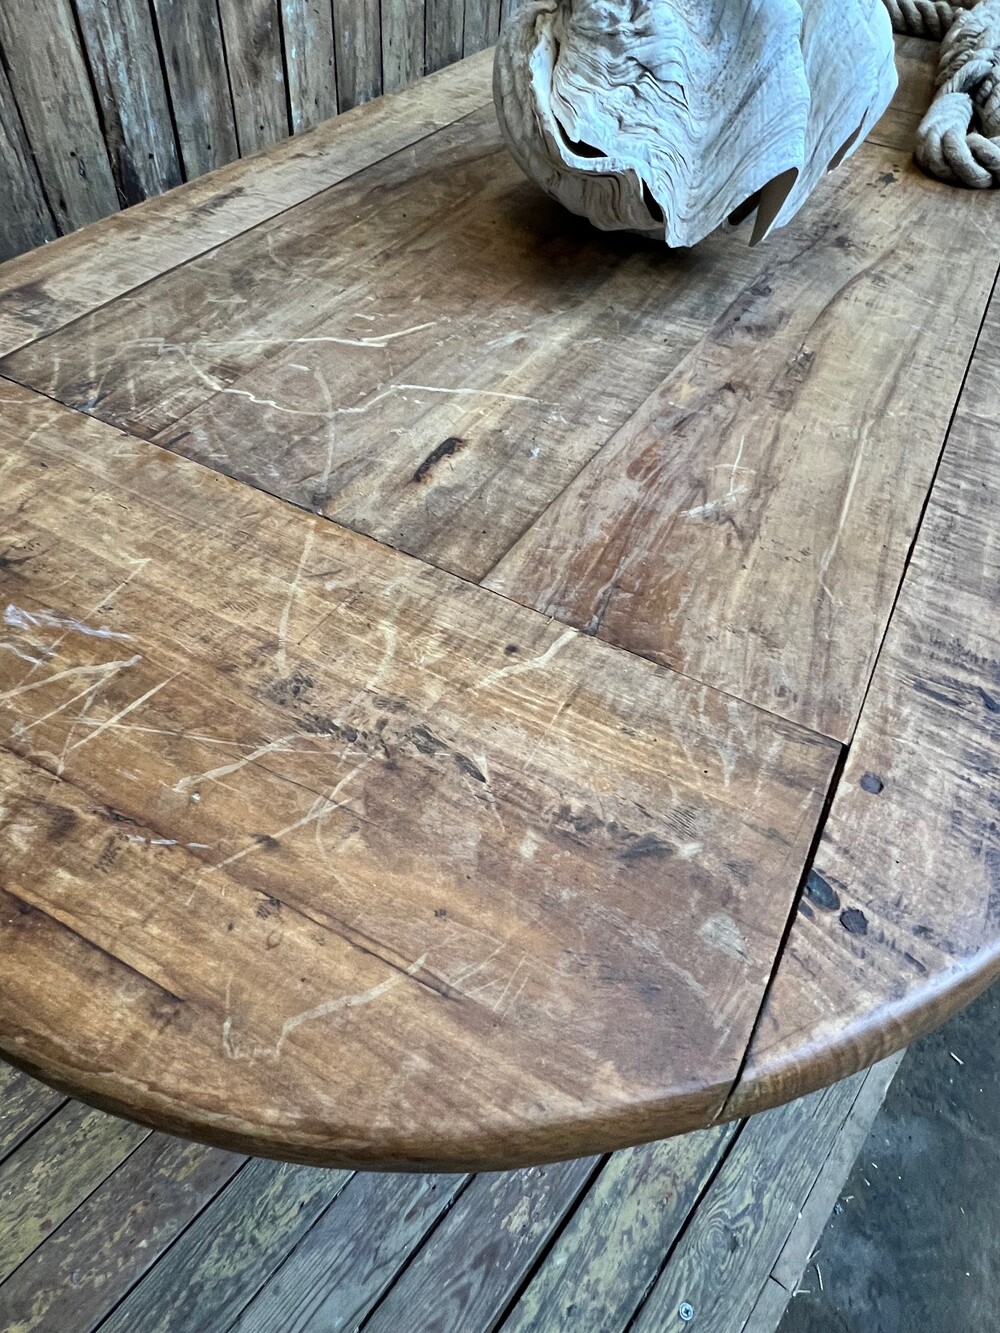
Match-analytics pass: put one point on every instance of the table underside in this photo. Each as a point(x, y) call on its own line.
point(478, 691)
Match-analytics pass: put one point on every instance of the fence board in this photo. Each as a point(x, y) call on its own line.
point(191, 39)
point(402, 42)
point(49, 79)
point(251, 31)
point(27, 220)
point(444, 29)
point(358, 35)
point(310, 64)
point(124, 60)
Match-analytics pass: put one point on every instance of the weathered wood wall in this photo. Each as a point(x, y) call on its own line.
point(106, 102)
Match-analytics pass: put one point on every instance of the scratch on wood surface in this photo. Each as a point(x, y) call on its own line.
point(18, 618)
point(714, 506)
point(124, 712)
point(324, 1010)
point(90, 669)
point(845, 508)
point(281, 745)
point(282, 658)
point(518, 668)
point(320, 809)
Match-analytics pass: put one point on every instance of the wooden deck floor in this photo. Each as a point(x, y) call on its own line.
point(106, 1225)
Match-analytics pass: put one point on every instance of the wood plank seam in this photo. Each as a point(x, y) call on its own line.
point(926, 502)
point(45, 1118)
point(793, 911)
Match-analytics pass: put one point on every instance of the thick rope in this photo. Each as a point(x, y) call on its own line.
point(959, 138)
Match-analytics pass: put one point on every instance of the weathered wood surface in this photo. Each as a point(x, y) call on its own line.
point(51, 85)
point(28, 219)
point(525, 839)
point(899, 927)
point(179, 1236)
point(200, 96)
point(654, 486)
point(124, 60)
point(332, 793)
point(45, 290)
point(252, 34)
point(310, 61)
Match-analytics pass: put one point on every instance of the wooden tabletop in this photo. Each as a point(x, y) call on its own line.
point(476, 690)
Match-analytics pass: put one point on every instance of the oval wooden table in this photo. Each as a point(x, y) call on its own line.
point(477, 691)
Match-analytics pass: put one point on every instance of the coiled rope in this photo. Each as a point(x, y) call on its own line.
point(959, 138)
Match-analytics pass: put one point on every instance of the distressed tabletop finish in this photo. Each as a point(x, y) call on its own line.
point(474, 690)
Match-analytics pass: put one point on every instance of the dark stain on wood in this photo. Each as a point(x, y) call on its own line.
point(854, 921)
point(446, 449)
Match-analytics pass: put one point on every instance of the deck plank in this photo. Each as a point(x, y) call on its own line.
point(899, 928)
point(53, 1172)
point(623, 845)
point(24, 1105)
point(612, 1250)
point(107, 1245)
point(470, 1269)
point(726, 1254)
point(214, 1269)
point(351, 1255)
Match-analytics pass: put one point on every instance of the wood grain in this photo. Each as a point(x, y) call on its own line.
point(310, 61)
point(444, 25)
point(898, 928)
point(429, 821)
point(725, 1256)
point(92, 1260)
point(51, 1175)
point(351, 1255)
point(24, 1105)
point(609, 1255)
point(472, 1266)
point(750, 524)
point(43, 291)
point(359, 51)
point(124, 60)
point(213, 1270)
point(402, 42)
point(200, 96)
point(49, 78)
point(251, 30)
point(27, 217)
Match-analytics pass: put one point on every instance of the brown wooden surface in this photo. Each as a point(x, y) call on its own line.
point(329, 853)
point(177, 1236)
point(899, 926)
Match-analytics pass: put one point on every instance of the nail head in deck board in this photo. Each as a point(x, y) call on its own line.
point(354, 734)
point(200, 97)
point(922, 858)
point(108, 1244)
point(472, 1266)
point(725, 1256)
point(50, 287)
point(51, 1175)
point(213, 1270)
point(351, 1255)
point(310, 62)
point(611, 1251)
point(251, 30)
point(27, 217)
point(48, 75)
point(358, 40)
point(125, 63)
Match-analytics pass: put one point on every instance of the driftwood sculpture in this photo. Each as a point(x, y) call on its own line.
point(672, 117)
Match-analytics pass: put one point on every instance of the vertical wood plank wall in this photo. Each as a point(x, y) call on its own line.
point(106, 102)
